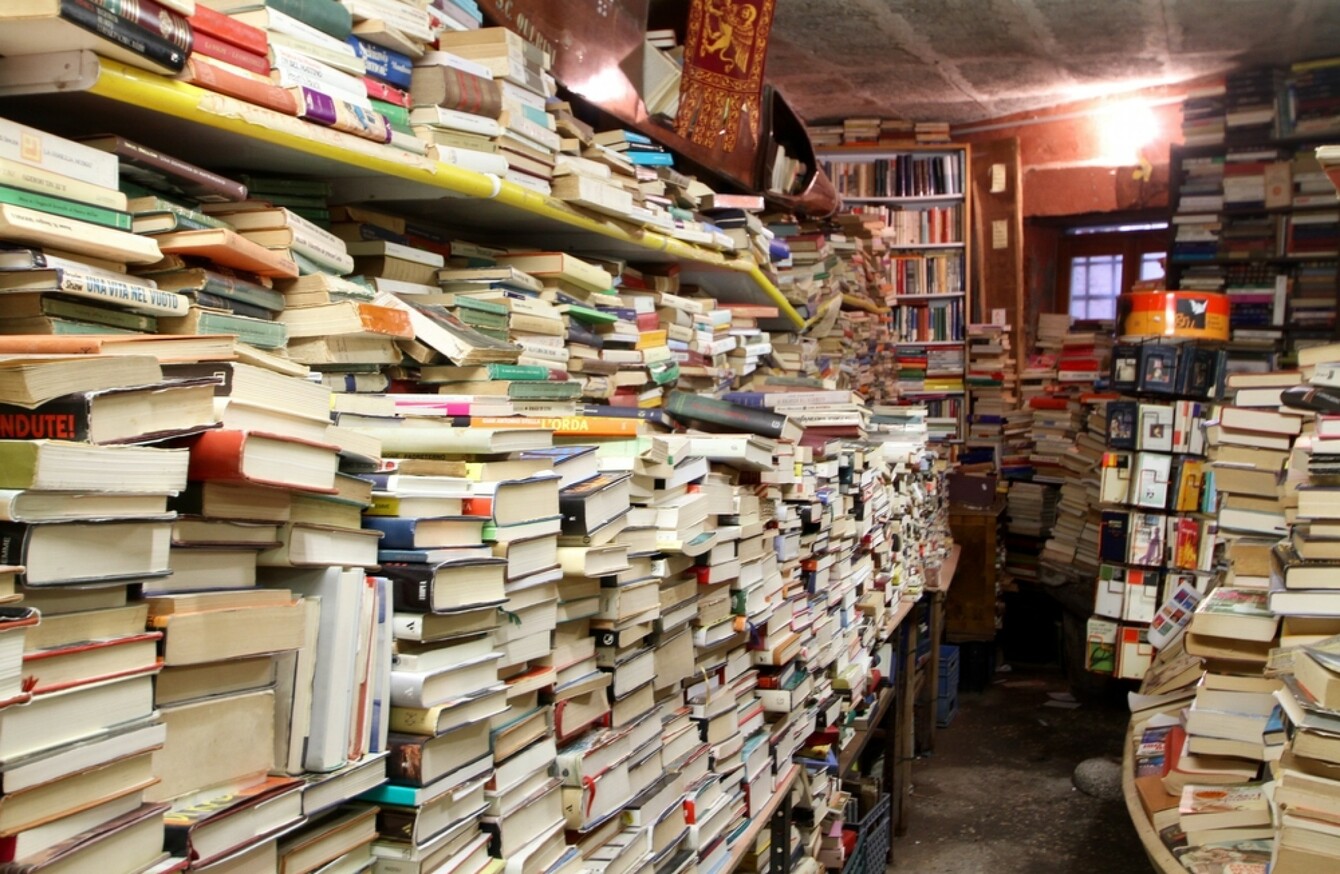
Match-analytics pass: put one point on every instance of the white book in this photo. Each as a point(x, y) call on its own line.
point(453, 119)
point(410, 20)
point(292, 69)
point(334, 681)
point(448, 59)
point(49, 152)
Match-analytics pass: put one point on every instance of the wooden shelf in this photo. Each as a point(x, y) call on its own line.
point(910, 199)
point(762, 819)
point(78, 92)
point(917, 247)
point(944, 295)
point(848, 756)
point(947, 568)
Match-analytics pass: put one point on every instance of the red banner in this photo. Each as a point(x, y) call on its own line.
point(725, 49)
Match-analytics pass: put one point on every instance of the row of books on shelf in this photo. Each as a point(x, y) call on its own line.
point(871, 131)
point(476, 98)
point(1264, 103)
point(932, 321)
point(907, 175)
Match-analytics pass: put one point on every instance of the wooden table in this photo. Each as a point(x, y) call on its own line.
point(930, 689)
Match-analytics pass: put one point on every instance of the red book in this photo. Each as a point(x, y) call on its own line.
point(229, 30)
point(154, 18)
point(378, 90)
point(212, 47)
point(203, 74)
point(264, 460)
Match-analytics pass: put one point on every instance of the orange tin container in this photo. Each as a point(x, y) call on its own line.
point(1191, 315)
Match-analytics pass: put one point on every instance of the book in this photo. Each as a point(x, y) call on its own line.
point(723, 415)
point(228, 249)
point(20, 224)
point(1235, 613)
point(71, 25)
point(261, 459)
point(454, 586)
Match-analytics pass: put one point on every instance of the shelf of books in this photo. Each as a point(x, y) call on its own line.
point(1232, 745)
point(351, 520)
point(917, 201)
point(1254, 214)
point(80, 91)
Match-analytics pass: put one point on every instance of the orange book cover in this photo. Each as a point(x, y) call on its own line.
point(201, 73)
point(158, 345)
point(219, 455)
point(387, 321)
point(230, 249)
point(565, 426)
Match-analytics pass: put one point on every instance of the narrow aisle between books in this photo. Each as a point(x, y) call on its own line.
point(997, 794)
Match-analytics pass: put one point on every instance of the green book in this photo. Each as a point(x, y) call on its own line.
point(68, 326)
point(552, 390)
point(483, 320)
point(257, 332)
point(82, 312)
point(518, 372)
point(590, 316)
point(193, 219)
point(398, 116)
point(271, 185)
point(465, 302)
point(327, 16)
point(663, 372)
point(66, 208)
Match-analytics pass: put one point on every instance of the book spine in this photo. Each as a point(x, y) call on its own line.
point(58, 157)
point(61, 419)
point(397, 531)
point(396, 116)
point(228, 29)
point(243, 291)
point(195, 178)
point(411, 587)
point(682, 405)
point(325, 110)
point(117, 293)
point(19, 175)
point(327, 16)
point(293, 70)
point(466, 92)
point(125, 33)
point(73, 209)
point(385, 65)
point(385, 93)
point(154, 18)
point(462, 122)
point(211, 47)
point(68, 309)
point(405, 759)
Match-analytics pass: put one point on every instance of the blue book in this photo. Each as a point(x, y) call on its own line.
point(405, 532)
point(469, 7)
point(383, 64)
point(650, 159)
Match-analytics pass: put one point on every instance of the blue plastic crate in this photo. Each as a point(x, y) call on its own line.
point(946, 708)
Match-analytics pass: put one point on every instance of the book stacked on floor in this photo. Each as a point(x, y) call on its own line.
point(991, 384)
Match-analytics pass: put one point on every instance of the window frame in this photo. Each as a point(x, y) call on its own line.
point(1131, 246)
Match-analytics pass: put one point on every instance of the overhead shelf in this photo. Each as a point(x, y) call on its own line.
point(76, 93)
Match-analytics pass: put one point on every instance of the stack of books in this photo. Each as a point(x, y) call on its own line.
point(1203, 115)
point(527, 137)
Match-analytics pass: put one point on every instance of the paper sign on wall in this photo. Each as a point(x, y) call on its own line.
point(1000, 234)
point(997, 178)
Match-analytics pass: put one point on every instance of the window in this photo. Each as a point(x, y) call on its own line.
point(1098, 264)
point(1095, 281)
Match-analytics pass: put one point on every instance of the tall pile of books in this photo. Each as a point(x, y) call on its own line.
point(991, 385)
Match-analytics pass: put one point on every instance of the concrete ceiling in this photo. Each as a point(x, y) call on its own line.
point(968, 60)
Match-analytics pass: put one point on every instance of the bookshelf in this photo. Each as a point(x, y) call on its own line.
point(919, 198)
point(78, 92)
point(1253, 215)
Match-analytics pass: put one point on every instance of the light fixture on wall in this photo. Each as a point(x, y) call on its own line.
point(1124, 129)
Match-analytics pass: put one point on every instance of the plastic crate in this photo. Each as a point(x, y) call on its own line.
point(946, 708)
point(871, 854)
point(949, 670)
